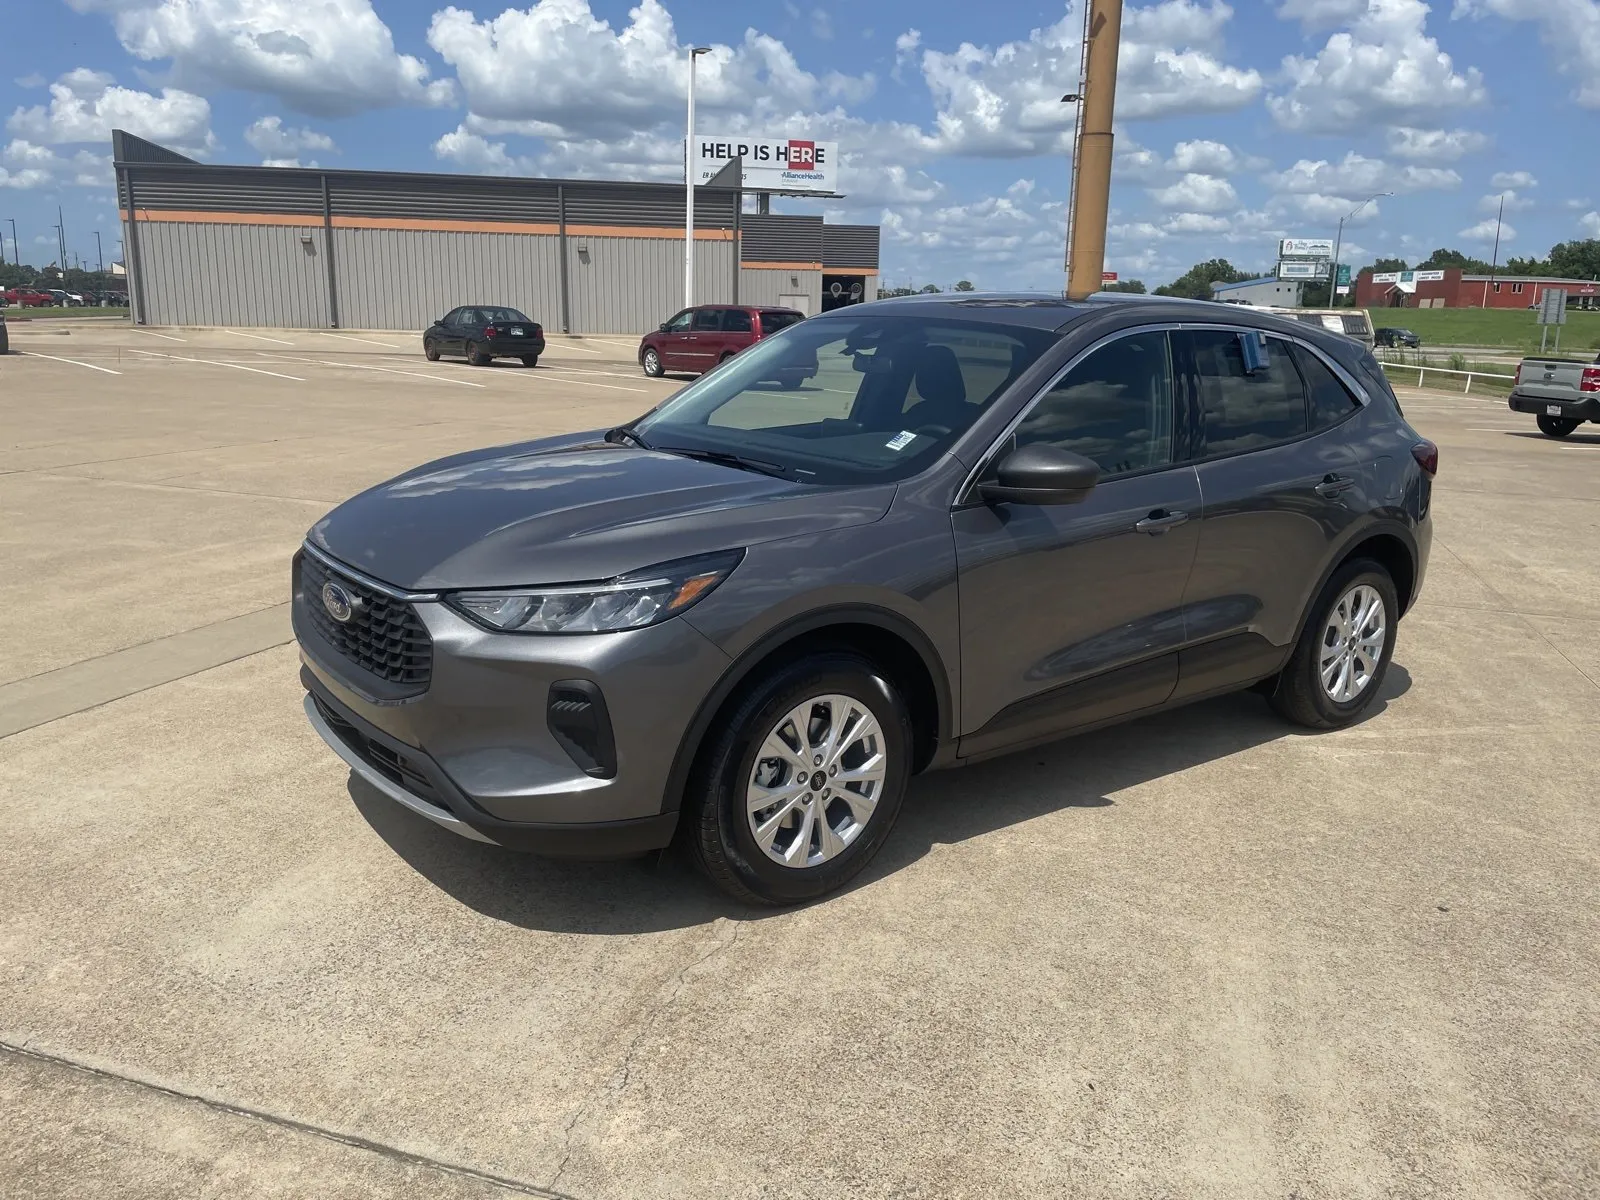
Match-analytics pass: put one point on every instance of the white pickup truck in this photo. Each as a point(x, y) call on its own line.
point(1562, 392)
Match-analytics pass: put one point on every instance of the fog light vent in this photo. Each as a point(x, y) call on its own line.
point(579, 722)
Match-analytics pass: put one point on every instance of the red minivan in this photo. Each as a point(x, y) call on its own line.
point(699, 338)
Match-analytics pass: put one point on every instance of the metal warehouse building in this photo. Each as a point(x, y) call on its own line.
point(312, 248)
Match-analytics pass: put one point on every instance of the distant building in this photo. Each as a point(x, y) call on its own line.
point(1270, 292)
point(1452, 288)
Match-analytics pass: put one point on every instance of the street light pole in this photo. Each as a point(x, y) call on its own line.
point(688, 182)
point(1495, 265)
point(99, 252)
point(16, 247)
point(1338, 244)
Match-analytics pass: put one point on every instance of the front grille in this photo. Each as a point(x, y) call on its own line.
point(394, 766)
point(384, 637)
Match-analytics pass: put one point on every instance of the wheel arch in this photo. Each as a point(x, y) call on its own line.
point(889, 640)
point(1388, 543)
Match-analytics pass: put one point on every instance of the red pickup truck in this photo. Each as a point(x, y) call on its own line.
point(29, 298)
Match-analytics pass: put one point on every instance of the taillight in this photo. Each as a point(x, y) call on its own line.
point(1516, 381)
point(1591, 380)
point(1427, 456)
point(488, 331)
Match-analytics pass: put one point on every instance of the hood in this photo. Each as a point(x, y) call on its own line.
point(570, 510)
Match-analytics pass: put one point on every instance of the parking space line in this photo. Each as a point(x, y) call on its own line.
point(257, 337)
point(568, 378)
point(569, 346)
point(212, 362)
point(153, 333)
point(73, 361)
point(396, 371)
point(607, 374)
point(368, 341)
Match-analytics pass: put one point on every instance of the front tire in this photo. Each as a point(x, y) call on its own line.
point(801, 788)
point(476, 357)
point(651, 362)
point(430, 351)
point(1338, 665)
point(1557, 427)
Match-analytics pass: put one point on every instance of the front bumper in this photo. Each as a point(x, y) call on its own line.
point(475, 751)
point(1574, 410)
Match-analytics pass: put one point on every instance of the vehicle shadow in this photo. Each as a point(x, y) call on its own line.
point(1573, 438)
point(664, 892)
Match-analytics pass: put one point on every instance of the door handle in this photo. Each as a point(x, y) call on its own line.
point(1334, 485)
point(1160, 521)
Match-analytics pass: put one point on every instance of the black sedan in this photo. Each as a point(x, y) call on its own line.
point(484, 332)
point(1396, 337)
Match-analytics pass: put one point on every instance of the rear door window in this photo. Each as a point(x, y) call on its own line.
point(1244, 409)
point(1331, 401)
point(707, 320)
point(735, 320)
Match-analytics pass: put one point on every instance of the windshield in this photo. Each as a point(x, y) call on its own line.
point(849, 399)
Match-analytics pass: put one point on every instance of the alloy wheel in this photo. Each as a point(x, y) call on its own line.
point(816, 781)
point(1352, 643)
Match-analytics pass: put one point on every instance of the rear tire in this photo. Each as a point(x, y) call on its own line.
point(1557, 427)
point(651, 362)
point(1338, 665)
point(476, 357)
point(791, 383)
point(430, 351)
point(530, 360)
point(834, 828)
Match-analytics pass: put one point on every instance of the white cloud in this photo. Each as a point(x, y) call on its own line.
point(1022, 187)
point(327, 58)
point(1196, 193)
point(1322, 14)
point(1590, 224)
point(480, 156)
point(24, 164)
point(86, 105)
point(1434, 145)
point(31, 80)
point(1331, 209)
point(1193, 222)
point(281, 146)
point(1570, 29)
point(1514, 201)
point(1484, 231)
point(821, 24)
point(1384, 69)
point(1205, 156)
point(1356, 176)
point(1577, 202)
point(1513, 179)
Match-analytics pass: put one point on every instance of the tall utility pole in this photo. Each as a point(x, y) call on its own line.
point(1091, 191)
point(688, 182)
point(1495, 265)
point(99, 252)
point(16, 248)
point(61, 241)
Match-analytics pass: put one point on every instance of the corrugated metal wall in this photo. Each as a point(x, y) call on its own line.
point(629, 285)
point(850, 246)
point(781, 238)
point(206, 274)
point(405, 279)
point(764, 286)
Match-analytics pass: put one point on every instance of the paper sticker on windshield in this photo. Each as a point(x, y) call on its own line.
point(900, 440)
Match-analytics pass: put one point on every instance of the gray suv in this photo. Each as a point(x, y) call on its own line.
point(748, 618)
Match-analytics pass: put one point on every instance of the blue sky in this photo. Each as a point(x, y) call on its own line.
point(1237, 123)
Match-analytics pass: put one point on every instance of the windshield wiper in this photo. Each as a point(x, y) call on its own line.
point(625, 433)
point(729, 459)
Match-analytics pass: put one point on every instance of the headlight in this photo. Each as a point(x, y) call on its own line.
point(629, 601)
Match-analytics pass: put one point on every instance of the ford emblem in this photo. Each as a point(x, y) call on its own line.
point(341, 605)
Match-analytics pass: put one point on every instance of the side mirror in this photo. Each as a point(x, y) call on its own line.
point(663, 326)
point(1041, 474)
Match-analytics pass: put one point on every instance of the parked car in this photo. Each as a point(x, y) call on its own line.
point(752, 618)
point(1562, 393)
point(483, 333)
point(698, 339)
point(1397, 337)
point(29, 298)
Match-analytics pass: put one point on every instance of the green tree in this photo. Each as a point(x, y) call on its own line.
point(1124, 285)
point(1525, 266)
point(1195, 284)
point(930, 289)
point(1443, 259)
point(963, 285)
point(1384, 265)
point(1576, 260)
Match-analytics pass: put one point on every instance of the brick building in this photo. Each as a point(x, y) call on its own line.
point(1451, 288)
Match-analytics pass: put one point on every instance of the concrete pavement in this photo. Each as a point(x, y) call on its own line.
point(1196, 956)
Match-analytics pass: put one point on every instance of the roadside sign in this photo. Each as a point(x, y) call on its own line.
point(1313, 248)
point(1108, 276)
point(1553, 307)
point(1288, 269)
point(1344, 277)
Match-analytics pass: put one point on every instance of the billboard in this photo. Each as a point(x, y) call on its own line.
point(1315, 248)
point(1302, 270)
point(770, 164)
point(1409, 277)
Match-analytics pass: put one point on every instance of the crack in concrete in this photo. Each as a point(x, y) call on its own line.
point(623, 1074)
point(23, 1049)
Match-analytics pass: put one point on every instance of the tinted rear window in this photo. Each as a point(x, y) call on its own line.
point(771, 322)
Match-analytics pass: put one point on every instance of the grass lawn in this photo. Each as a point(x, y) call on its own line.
point(1513, 329)
point(16, 313)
